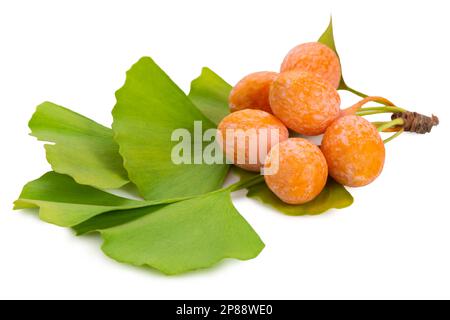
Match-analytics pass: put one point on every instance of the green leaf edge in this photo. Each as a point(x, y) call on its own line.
point(44, 205)
point(344, 201)
point(122, 181)
point(218, 90)
point(327, 38)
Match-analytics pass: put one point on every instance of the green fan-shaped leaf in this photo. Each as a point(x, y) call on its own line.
point(66, 203)
point(149, 108)
point(327, 38)
point(173, 238)
point(332, 196)
point(209, 93)
point(184, 236)
point(82, 148)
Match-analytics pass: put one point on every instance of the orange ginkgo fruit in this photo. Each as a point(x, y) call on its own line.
point(298, 171)
point(247, 135)
point(316, 58)
point(252, 92)
point(354, 151)
point(304, 103)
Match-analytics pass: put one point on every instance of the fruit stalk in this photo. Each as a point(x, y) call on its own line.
point(416, 122)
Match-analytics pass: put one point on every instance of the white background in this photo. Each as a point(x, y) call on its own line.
point(392, 243)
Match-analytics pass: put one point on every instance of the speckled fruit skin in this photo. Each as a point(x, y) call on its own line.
point(316, 58)
point(354, 151)
point(252, 92)
point(302, 172)
point(245, 120)
point(304, 103)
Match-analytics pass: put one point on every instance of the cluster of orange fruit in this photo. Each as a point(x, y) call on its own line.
point(303, 97)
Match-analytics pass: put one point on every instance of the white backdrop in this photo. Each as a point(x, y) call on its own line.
point(392, 243)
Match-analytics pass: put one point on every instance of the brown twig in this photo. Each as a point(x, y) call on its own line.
point(416, 122)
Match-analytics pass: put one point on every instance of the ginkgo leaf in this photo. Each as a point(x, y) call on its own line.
point(327, 38)
point(174, 238)
point(113, 218)
point(184, 236)
point(64, 202)
point(81, 148)
point(209, 93)
point(332, 196)
point(149, 108)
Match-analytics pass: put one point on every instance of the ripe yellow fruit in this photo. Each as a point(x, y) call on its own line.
point(315, 58)
point(302, 171)
point(304, 103)
point(354, 151)
point(252, 127)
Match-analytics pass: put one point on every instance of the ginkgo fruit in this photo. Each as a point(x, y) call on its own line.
point(354, 151)
point(247, 135)
point(300, 171)
point(252, 92)
point(304, 103)
point(315, 58)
